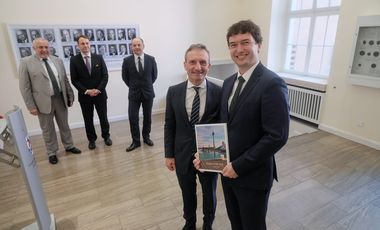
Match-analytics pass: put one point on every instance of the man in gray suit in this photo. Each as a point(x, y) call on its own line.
point(47, 94)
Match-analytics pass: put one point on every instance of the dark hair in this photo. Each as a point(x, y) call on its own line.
point(82, 36)
point(245, 26)
point(197, 46)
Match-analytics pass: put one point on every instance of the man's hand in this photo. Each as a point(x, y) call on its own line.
point(170, 163)
point(34, 111)
point(228, 171)
point(197, 162)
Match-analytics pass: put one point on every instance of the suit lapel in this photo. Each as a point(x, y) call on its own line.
point(182, 98)
point(252, 82)
point(209, 90)
point(41, 64)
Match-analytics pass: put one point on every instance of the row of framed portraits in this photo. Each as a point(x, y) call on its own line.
point(113, 42)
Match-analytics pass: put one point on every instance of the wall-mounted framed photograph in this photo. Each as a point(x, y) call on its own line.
point(365, 58)
point(212, 146)
point(111, 41)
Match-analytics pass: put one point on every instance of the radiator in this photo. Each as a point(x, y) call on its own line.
point(305, 103)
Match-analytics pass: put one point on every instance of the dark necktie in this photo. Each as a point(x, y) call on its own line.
point(88, 65)
point(194, 117)
point(52, 77)
point(237, 93)
point(141, 70)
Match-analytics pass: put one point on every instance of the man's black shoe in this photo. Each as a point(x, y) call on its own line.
point(132, 147)
point(91, 145)
point(74, 150)
point(108, 141)
point(148, 142)
point(53, 159)
point(189, 227)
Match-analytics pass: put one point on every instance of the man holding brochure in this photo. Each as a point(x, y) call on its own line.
point(194, 101)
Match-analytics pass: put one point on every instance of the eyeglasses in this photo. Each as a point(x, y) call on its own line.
point(244, 43)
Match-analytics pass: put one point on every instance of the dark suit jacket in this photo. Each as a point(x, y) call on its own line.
point(179, 134)
point(82, 80)
point(257, 128)
point(140, 85)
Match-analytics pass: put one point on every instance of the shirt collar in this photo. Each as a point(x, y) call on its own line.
point(202, 85)
point(248, 73)
point(84, 55)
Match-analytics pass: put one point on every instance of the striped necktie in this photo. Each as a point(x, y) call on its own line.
point(194, 118)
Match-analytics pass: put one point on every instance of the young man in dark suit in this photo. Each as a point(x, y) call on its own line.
point(180, 141)
point(139, 72)
point(254, 104)
point(90, 76)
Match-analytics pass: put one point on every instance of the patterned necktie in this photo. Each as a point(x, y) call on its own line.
point(194, 117)
point(237, 93)
point(88, 65)
point(52, 77)
point(141, 70)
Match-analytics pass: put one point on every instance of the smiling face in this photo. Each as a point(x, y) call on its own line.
point(41, 47)
point(244, 51)
point(197, 65)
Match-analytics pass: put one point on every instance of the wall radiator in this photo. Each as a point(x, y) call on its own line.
point(305, 103)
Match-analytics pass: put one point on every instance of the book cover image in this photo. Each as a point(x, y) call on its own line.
point(212, 146)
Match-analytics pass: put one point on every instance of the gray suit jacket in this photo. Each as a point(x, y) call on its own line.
point(35, 83)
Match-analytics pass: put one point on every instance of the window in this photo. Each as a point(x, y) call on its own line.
point(312, 26)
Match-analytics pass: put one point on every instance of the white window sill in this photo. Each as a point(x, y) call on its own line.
point(313, 83)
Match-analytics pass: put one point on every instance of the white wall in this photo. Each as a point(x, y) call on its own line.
point(166, 26)
point(346, 105)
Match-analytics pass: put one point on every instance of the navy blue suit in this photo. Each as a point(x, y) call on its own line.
point(257, 128)
point(180, 144)
point(97, 79)
point(141, 92)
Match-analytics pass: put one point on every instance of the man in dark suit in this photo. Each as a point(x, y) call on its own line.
point(180, 141)
point(90, 76)
point(258, 126)
point(139, 72)
point(47, 94)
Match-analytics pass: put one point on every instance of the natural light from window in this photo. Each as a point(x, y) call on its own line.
point(311, 36)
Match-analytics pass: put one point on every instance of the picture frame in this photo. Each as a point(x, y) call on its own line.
point(111, 41)
point(212, 146)
point(364, 68)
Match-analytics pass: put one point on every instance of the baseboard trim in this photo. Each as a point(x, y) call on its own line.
point(350, 136)
point(111, 119)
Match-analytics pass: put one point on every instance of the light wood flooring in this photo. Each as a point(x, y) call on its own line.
point(325, 182)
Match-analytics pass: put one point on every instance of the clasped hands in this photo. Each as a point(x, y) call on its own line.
point(92, 92)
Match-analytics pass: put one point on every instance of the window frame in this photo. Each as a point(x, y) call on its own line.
point(313, 13)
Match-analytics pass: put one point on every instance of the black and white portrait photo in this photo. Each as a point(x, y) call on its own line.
point(34, 34)
point(76, 34)
point(112, 50)
point(100, 35)
point(65, 35)
point(102, 50)
point(89, 33)
point(68, 51)
point(111, 35)
point(25, 51)
point(131, 33)
point(22, 36)
point(123, 51)
point(121, 34)
point(49, 35)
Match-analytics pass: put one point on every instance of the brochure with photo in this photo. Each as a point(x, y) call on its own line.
point(212, 146)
